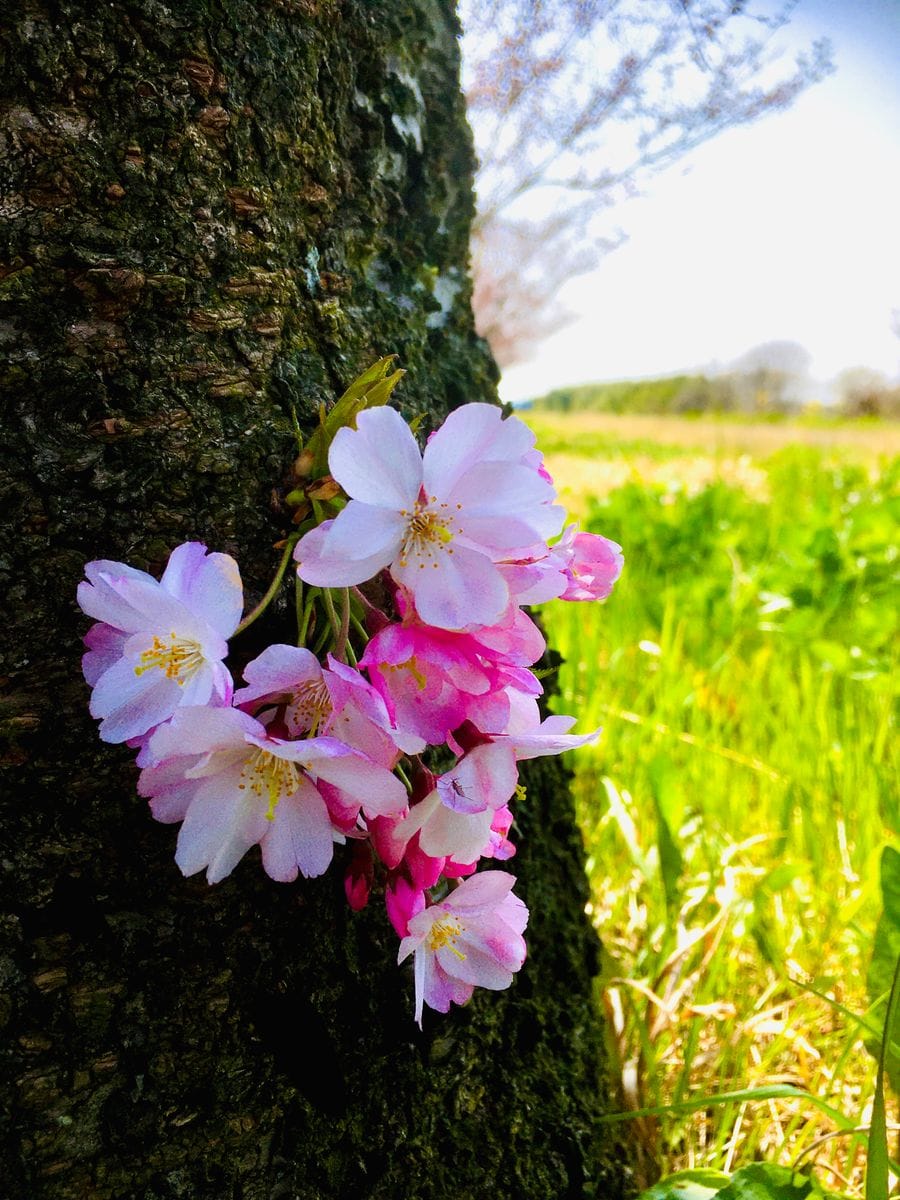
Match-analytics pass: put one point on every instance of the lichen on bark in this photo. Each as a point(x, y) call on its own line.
point(215, 213)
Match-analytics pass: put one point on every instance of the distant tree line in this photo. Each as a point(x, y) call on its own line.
point(867, 393)
point(860, 392)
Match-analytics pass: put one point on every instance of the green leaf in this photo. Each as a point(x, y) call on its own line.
point(766, 929)
point(701, 1184)
point(369, 390)
point(885, 952)
point(766, 1181)
point(781, 877)
point(669, 804)
point(759, 1181)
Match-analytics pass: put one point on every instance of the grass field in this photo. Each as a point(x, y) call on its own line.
point(736, 806)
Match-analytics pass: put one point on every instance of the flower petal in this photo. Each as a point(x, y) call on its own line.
point(378, 791)
point(200, 731)
point(472, 433)
point(486, 777)
point(317, 566)
point(460, 836)
point(476, 967)
point(98, 599)
point(501, 537)
point(482, 891)
point(489, 489)
point(129, 705)
point(219, 828)
point(162, 613)
point(278, 669)
point(167, 789)
point(209, 585)
point(105, 646)
point(465, 588)
point(364, 531)
point(299, 836)
point(379, 461)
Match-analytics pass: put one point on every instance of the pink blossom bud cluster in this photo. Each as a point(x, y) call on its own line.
point(313, 752)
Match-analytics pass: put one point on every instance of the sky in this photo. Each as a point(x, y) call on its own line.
point(787, 230)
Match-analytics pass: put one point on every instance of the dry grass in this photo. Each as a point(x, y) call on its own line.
point(716, 437)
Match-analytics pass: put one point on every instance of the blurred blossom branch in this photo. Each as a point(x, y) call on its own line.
point(575, 104)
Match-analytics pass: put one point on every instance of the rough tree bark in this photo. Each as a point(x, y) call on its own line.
point(216, 211)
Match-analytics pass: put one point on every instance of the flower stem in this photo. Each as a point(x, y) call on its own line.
point(359, 627)
point(298, 602)
point(273, 586)
point(404, 777)
point(304, 617)
point(332, 614)
point(340, 646)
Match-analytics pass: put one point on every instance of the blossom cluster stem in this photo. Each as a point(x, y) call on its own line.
point(341, 645)
point(273, 586)
point(339, 624)
point(359, 627)
point(398, 770)
point(298, 604)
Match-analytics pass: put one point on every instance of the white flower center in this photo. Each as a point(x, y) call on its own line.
point(310, 706)
point(179, 658)
point(265, 774)
point(429, 532)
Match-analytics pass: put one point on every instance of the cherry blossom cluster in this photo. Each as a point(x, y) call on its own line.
point(397, 724)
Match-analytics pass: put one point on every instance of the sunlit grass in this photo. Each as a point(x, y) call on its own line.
point(736, 805)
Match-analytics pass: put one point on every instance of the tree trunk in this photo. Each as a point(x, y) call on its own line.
point(216, 213)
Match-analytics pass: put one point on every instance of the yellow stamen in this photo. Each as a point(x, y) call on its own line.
point(444, 932)
point(179, 658)
point(268, 775)
point(410, 665)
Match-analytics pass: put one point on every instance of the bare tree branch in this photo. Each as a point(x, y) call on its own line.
point(575, 104)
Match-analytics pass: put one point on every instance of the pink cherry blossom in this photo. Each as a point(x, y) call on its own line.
point(471, 939)
point(530, 737)
point(407, 883)
point(402, 900)
point(433, 679)
point(454, 821)
point(159, 644)
point(592, 564)
point(440, 521)
point(534, 581)
point(522, 731)
point(337, 701)
point(498, 846)
point(303, 755)
point(233, 786)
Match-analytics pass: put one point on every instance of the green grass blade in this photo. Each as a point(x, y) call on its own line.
point(774, 1091)
point(859, 1019)
point(878, 1172)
